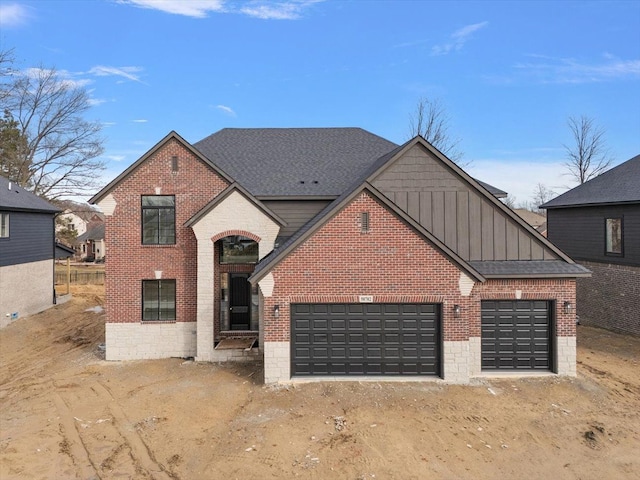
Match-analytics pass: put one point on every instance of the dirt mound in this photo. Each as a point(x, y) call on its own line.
point(66, 413)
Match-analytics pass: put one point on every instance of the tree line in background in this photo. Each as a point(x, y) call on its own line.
point(587, 157)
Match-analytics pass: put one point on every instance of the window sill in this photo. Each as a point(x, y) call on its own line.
point(155, 322)
point(145, 245)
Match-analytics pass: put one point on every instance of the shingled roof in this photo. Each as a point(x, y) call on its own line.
point(17, 198)
point(621, 184)
point(294, 161)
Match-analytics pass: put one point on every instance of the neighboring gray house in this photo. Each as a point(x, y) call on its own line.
point(598, 223)
point(27, 250)
point(90, 244)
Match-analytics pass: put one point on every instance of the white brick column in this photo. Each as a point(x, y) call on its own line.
point(277, 362)
point(475, 356)
point(456, 362)
point(206, 302)
point(566, 355)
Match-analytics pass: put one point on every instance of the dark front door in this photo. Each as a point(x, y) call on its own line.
point(240, 296)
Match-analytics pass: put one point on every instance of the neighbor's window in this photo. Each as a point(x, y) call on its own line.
point(4, 225)
point(158, 300)
point(239, 249)
point(614, 235)
point(158, 220)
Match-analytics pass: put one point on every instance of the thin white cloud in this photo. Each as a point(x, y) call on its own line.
point(228, 110)
point(108, 124)
point(546, 69)
point(140, 120)
point(13, 15)
point(130, 73)
point(457, 39)
point(94, 102)
point(115, 158)
point(263, 9)
point(190, 8)
point(64, 77)
point(275, 11)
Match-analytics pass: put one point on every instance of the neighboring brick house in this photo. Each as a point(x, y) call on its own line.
point(27, 251)
point(332, 252)
point(598, 223)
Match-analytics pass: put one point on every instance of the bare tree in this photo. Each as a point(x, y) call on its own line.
point(62, 148)
point(509, 201)
point(589, 156)
point(541, 194)
point(431, 122)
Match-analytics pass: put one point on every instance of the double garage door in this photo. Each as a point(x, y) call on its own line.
point(365, 339)
point(516, 335)
point(405, 339)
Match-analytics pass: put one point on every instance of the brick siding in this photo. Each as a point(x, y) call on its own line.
point(392, 263)
point(128, 261)
point(610, 298)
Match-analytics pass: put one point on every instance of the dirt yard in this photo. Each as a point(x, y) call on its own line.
point(65, 413)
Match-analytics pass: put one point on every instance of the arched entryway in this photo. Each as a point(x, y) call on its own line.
point(236, 257)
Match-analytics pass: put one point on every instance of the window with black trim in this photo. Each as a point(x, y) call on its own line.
point(4, 225)
point(158, 300)
point(158, 220)
point(613, 236)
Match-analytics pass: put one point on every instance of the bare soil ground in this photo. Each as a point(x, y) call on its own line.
point(65, 413)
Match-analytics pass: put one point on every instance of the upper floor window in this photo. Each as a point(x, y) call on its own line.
point(613, 235)
point(158, 220)
point(4, 225)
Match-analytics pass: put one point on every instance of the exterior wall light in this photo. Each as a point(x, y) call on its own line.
point(568, 307)
point(276, 311)
point(457, 311)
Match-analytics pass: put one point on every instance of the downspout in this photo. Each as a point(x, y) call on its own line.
point(53, 218)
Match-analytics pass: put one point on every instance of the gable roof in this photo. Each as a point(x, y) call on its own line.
point(95, 233)
point(234, 187)
point(474, 269)
point(621, 184)
point(274, 162)
point(276, 256)
point(294, 161)
point(478, 186)
point(170, 136)
point(15, 198)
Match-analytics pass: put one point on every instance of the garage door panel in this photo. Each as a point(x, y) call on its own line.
point(366, 339)
point(515, 335)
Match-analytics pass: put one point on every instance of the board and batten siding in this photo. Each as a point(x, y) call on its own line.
point(295, 212)
point(30, 238)
point(454, 212)
point(580, 232)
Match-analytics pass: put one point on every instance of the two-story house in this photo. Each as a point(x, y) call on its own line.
point(329, 252)
point(27, 252)
point(598, 223)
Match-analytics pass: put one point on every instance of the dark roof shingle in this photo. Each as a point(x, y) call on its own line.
point(529, 268)
point(621, 184)
point(294, 161)
point(17, 198)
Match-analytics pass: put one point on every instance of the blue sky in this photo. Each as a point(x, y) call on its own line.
point(508, 73)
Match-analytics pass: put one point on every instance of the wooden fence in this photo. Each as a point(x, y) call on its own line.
point(81, 278)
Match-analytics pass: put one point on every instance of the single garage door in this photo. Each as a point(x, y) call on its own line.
point(365, 339)
point(516, 335)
